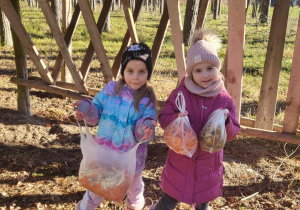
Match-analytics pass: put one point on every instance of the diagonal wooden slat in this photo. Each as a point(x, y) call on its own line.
point(95, 38)
point(292, 111)
point(130, 21)
point(24, 38)
point(85, 66)
point(68, 37)
point(160, 35)
point(202, 14)
point(126, 40)
point(177, 36)
point(235, 56)
point(63, 48)
point(270, 81)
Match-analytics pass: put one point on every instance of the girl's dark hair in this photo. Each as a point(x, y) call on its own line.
point(145, 91)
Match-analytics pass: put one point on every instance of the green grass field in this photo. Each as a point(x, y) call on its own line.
point(256, 42)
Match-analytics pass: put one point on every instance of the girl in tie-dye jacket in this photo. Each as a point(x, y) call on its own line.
point(125, 113)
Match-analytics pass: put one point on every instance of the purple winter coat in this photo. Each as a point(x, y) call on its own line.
point(197, 179)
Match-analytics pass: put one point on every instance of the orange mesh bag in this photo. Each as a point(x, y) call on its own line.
point(104, 171)
point(179, 135)
point(213, 134)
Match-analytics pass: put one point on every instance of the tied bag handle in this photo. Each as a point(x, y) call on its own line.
point(180, 102)
point(87, 136)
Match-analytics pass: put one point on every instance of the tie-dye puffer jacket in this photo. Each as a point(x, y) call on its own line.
point(119, 124)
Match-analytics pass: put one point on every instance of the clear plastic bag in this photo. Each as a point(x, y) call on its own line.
point(104, 171)
point(213, 134)
point(179, 135)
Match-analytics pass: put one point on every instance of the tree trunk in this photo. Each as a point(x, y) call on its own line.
point(264, 9)
point(5, 31)
point(56, 6)
point(21, 69)
point(215, 7)
point(190, 20)
point(107, 23)
point(254, 10)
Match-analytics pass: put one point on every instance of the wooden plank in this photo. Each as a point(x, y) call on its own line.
point(271, 135)
point(49, 88)
point(251, 123)
point(160, 35)
point(292, 110)
point(63, 48)
point(68, 37)
point(130, 21)
point(126, 40)
point(202, 14)
point(24, 38)
point(95, 38)
point(177, 35)
point(236, 40)
point(85, 65)
point(270, 81)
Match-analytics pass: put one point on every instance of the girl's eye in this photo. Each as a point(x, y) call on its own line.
point(198, 70)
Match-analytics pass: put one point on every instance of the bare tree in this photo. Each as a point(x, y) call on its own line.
point(56, 6)
point(264, 11)
point(190, 20)
point(5, 32)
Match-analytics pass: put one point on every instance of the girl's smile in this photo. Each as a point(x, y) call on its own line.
point(135, 74)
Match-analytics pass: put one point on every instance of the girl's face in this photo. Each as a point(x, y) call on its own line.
point(135, 74)
point(205, 74)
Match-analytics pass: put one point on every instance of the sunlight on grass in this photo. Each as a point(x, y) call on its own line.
point(164, 78)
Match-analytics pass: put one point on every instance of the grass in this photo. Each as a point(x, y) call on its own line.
point(256, 42)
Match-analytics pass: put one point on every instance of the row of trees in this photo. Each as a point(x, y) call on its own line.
point(261, 7)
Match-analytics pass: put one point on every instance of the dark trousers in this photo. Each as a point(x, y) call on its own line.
point(167, 203)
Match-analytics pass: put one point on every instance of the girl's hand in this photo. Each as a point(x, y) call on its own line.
point(183, 114)
point(79, 115)
point(149, 131)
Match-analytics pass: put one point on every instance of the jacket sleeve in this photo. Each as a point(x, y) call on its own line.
point(149, 115)
point(232, 123)
point(90, 111)
point(169, 112)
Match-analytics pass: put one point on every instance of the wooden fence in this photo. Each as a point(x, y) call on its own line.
point(262, 127)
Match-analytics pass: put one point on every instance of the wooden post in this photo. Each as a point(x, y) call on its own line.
point(68, 37)
point(66, 11)
point(130, 21)
point(85, 65)
point(21, 69)
point(177, 36)
point(95, 38)
point(292, 110)
point(63, 48)
point(202, 14)
point(269, 87)
point(236, 40)
point(126, 40)
point(20, 31)
point(160, 35)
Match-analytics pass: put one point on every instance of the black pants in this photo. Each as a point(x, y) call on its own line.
point(167, 203)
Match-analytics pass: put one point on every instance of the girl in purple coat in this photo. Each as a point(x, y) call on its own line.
point(197, 180)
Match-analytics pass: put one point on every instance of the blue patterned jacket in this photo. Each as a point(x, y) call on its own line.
point(119, 124)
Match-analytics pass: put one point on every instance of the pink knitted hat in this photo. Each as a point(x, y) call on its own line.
point(203, 49)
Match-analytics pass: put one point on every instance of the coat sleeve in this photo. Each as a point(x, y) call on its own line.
point(90, 111)
point(169, 112)
point(232, 123)
point(149, 115)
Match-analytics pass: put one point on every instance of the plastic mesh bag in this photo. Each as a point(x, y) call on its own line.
point(179, 135)
point(213, 134)
point(104, 171)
